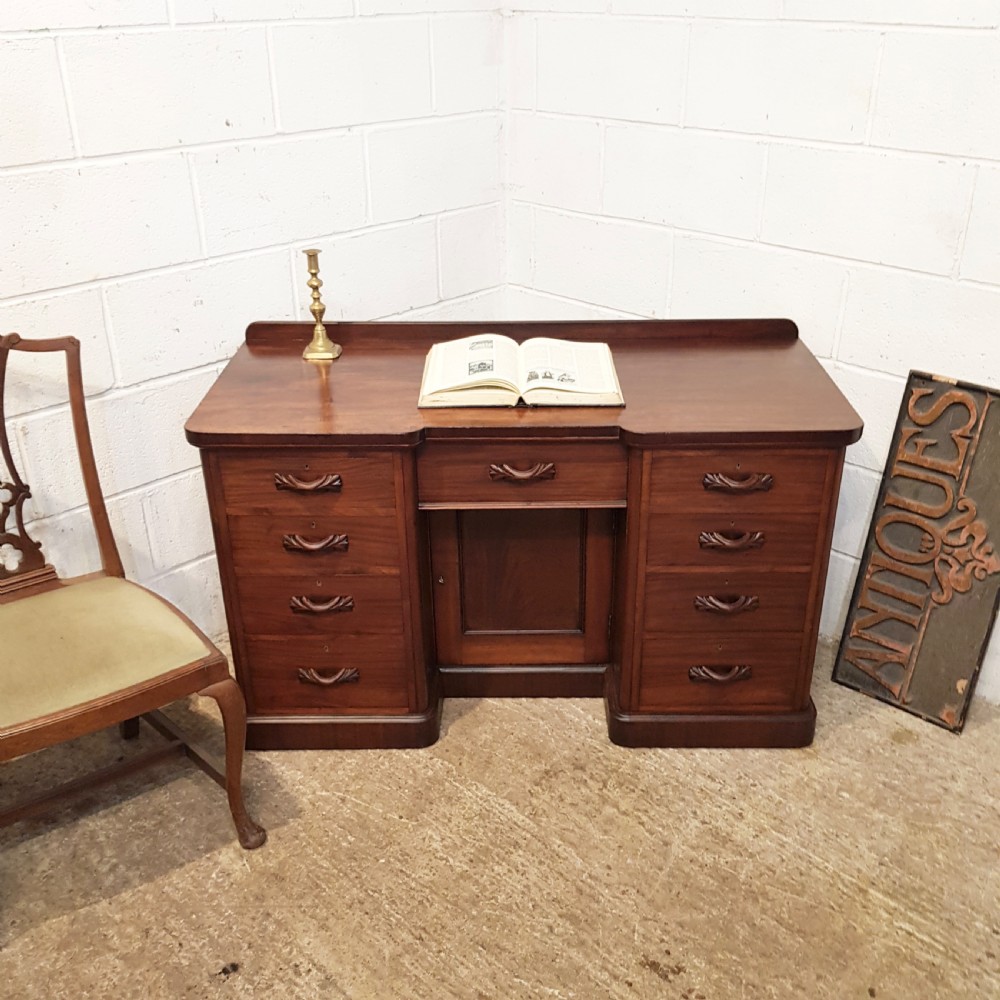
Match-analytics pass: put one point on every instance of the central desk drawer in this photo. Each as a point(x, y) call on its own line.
point(521, 474)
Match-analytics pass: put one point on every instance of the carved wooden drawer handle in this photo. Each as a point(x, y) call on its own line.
point(751, 482)
point(330, 483)
point(349, 675)
point(299, 543)
point(720, 675)
point(726, 605)
point(321, 606)
point(731, 541)
point(507, 473)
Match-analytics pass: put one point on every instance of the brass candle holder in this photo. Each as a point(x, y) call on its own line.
point(320, 348)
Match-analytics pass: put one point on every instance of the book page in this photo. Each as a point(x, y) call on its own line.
point(563, 364)
point(486, 359)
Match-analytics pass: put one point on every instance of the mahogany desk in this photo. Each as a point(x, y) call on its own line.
point(670, 556)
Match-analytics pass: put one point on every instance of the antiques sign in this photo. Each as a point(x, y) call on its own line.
point(929, 581)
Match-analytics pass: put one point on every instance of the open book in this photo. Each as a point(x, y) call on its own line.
point(492, 370)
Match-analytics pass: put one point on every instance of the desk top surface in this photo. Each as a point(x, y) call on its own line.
point(684, 382)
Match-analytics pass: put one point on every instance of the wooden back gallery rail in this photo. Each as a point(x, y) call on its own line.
point(669, 556)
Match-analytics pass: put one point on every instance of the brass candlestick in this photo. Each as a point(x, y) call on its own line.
point(320, 348)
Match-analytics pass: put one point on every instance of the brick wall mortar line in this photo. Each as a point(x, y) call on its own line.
point(235, 255)
point(686, 71)
point(199, 214)
point(823, 145)
point(430, 59)
point(109, 336)
point(611, 310)
point(960, 249)
point(272, 79)
point(67, 98)
point(873, 94)
point(838, 331)
point(266, 139)
point(164, 27)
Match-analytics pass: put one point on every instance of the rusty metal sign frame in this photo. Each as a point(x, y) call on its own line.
point(928, 587)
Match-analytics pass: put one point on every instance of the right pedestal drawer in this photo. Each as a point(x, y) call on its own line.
point(733, 540)
point(710, 674)
point(738, 480)
point(726, 602)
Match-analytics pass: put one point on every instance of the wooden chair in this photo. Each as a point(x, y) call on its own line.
point(82, 654)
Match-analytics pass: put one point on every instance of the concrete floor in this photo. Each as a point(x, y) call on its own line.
point(525, 856)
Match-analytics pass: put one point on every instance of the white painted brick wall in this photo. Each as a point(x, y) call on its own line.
point(352, 263)
point(942, 13)
point(214, 11)
point(80, 313)
point(907, 211)
point(952, 105)
point(55, 225)
point(628, 69)
point(981, 256)
point(51, 15)
point(469, 250)
point(200, 313)
point(780, 80)
point(835, 162)
point(683, 178)
point(538, 149)
point(226, 69)
point(163, 163)
point(274, 192)
point(35, 130)
point(316, 68)
point(895, 321)
point(468, 59)
point(434, 166)
point(622, 265)
point(698, 8)
point(733, 279)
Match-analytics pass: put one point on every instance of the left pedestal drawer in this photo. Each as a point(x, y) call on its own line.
point(355, 674)
point(331, 605)
point(288, 544)
point(289, 481)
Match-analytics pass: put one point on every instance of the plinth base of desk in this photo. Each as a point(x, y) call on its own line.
point(327, 732)
point(789, 729)
point(516, 681)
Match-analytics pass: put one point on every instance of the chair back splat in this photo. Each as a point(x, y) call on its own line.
point(22, 563)
point(95, 651)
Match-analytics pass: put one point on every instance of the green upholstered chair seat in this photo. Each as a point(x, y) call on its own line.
point(84, 641)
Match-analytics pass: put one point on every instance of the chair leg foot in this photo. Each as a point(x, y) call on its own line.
point(129, 729)
point(234, 721)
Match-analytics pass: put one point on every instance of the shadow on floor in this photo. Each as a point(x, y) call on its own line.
point(173, 812)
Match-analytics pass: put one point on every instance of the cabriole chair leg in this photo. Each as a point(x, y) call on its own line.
point(229, 698)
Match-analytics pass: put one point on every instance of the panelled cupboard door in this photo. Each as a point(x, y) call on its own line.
point(522, 585)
